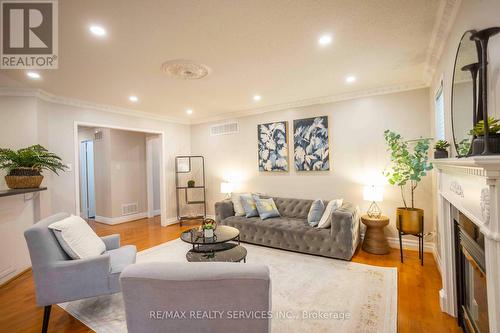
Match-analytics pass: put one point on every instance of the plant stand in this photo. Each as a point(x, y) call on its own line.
point(419, 235)
point(183, 166)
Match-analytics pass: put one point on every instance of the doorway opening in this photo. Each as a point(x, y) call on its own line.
point(120, 175)
point(87, 190)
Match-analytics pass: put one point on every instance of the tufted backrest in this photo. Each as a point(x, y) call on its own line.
point(293, 208)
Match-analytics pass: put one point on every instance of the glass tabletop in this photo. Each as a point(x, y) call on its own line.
point(222, 234)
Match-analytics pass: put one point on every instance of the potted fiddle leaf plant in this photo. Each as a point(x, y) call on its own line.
point(441, 149)
point(493, 136)
point(25, 166)
point(408, 167)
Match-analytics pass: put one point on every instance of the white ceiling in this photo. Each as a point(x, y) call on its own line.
point(260, 47)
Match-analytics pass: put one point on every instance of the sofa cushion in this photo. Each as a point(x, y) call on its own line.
point(248, 203)
point(326, 219)
point(266, 208)
point(255, 224)
point(77, 238)
point(315, 212)
point(283, 232)
point(237, 205)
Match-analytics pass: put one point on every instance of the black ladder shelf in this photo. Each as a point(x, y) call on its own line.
point(183, 166)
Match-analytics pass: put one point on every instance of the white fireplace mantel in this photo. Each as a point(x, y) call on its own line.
point(472, 185)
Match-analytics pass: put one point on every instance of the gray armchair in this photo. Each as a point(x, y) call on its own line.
point(177, 297)
point(59, 279)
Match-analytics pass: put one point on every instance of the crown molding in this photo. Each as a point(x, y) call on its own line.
point(447, 14)
point(313, 101)
point(43, 95)
point(48, 97)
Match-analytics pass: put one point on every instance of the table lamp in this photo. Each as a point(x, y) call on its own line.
point(374, 194)
point(226, 188)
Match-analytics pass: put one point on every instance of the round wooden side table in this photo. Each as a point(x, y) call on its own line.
point(375, 241)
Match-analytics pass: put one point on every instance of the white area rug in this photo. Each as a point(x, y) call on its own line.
point(354, 297)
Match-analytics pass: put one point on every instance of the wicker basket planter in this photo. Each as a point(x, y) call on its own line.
point(23, 178)
point(17, 182)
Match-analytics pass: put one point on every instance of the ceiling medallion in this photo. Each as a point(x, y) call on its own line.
point(185, 69)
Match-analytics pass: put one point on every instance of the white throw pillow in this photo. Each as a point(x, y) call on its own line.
point(237, 205)
point(326, 219)
point(77, 238)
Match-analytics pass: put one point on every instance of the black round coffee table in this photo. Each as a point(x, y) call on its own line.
point(216, 249)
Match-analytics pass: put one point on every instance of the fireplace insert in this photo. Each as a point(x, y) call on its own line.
point(471, 277)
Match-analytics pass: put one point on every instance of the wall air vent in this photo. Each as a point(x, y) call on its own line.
point(130, 208)
point(97, 135)
point(224, 129)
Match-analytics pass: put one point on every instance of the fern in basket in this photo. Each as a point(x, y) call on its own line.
point(29, 161)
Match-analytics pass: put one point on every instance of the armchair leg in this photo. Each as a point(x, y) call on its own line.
point(46, 316)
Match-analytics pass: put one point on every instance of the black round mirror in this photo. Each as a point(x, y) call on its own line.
point(464, 93)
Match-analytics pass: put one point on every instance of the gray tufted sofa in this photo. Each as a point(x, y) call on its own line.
point(292, 232)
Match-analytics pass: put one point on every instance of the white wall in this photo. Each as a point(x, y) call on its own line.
point(61, 120)
point(357, 147)
point(102, 171)
point(127, 170)
point(156, 172)
point(19, 127)
point(471, 15)
point(28, 120)
point(475, 15)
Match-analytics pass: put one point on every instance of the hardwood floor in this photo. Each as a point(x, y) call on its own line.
point(418, 303)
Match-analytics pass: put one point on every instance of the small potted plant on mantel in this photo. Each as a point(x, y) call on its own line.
point(24, 167)
point(493, 136)
point(441, 149)
point(463, 147)
point(407, 169)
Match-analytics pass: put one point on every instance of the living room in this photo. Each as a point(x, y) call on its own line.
point(323, 166)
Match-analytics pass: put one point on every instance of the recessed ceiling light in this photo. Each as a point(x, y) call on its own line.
point(133, 98)
point(97, 30)
point(257, 98)
point(189, 111)
point(350, 79)
point(33, 75)
point(325, 40)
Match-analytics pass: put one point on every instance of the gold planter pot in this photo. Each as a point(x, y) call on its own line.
point(18, 182)
point(410, 220)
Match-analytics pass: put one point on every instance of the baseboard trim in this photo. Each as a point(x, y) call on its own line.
point(437, 258)
point(408, 244)
point(170, 221)
point(15, 276)
point(120, 219)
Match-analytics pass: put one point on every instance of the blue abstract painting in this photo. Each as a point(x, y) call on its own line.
point(273, 146)
point(311, 148)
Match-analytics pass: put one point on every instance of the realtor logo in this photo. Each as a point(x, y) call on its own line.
point(29, 34)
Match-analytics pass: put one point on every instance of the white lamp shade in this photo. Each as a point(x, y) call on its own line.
point(226, 188)
point(373, 193)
